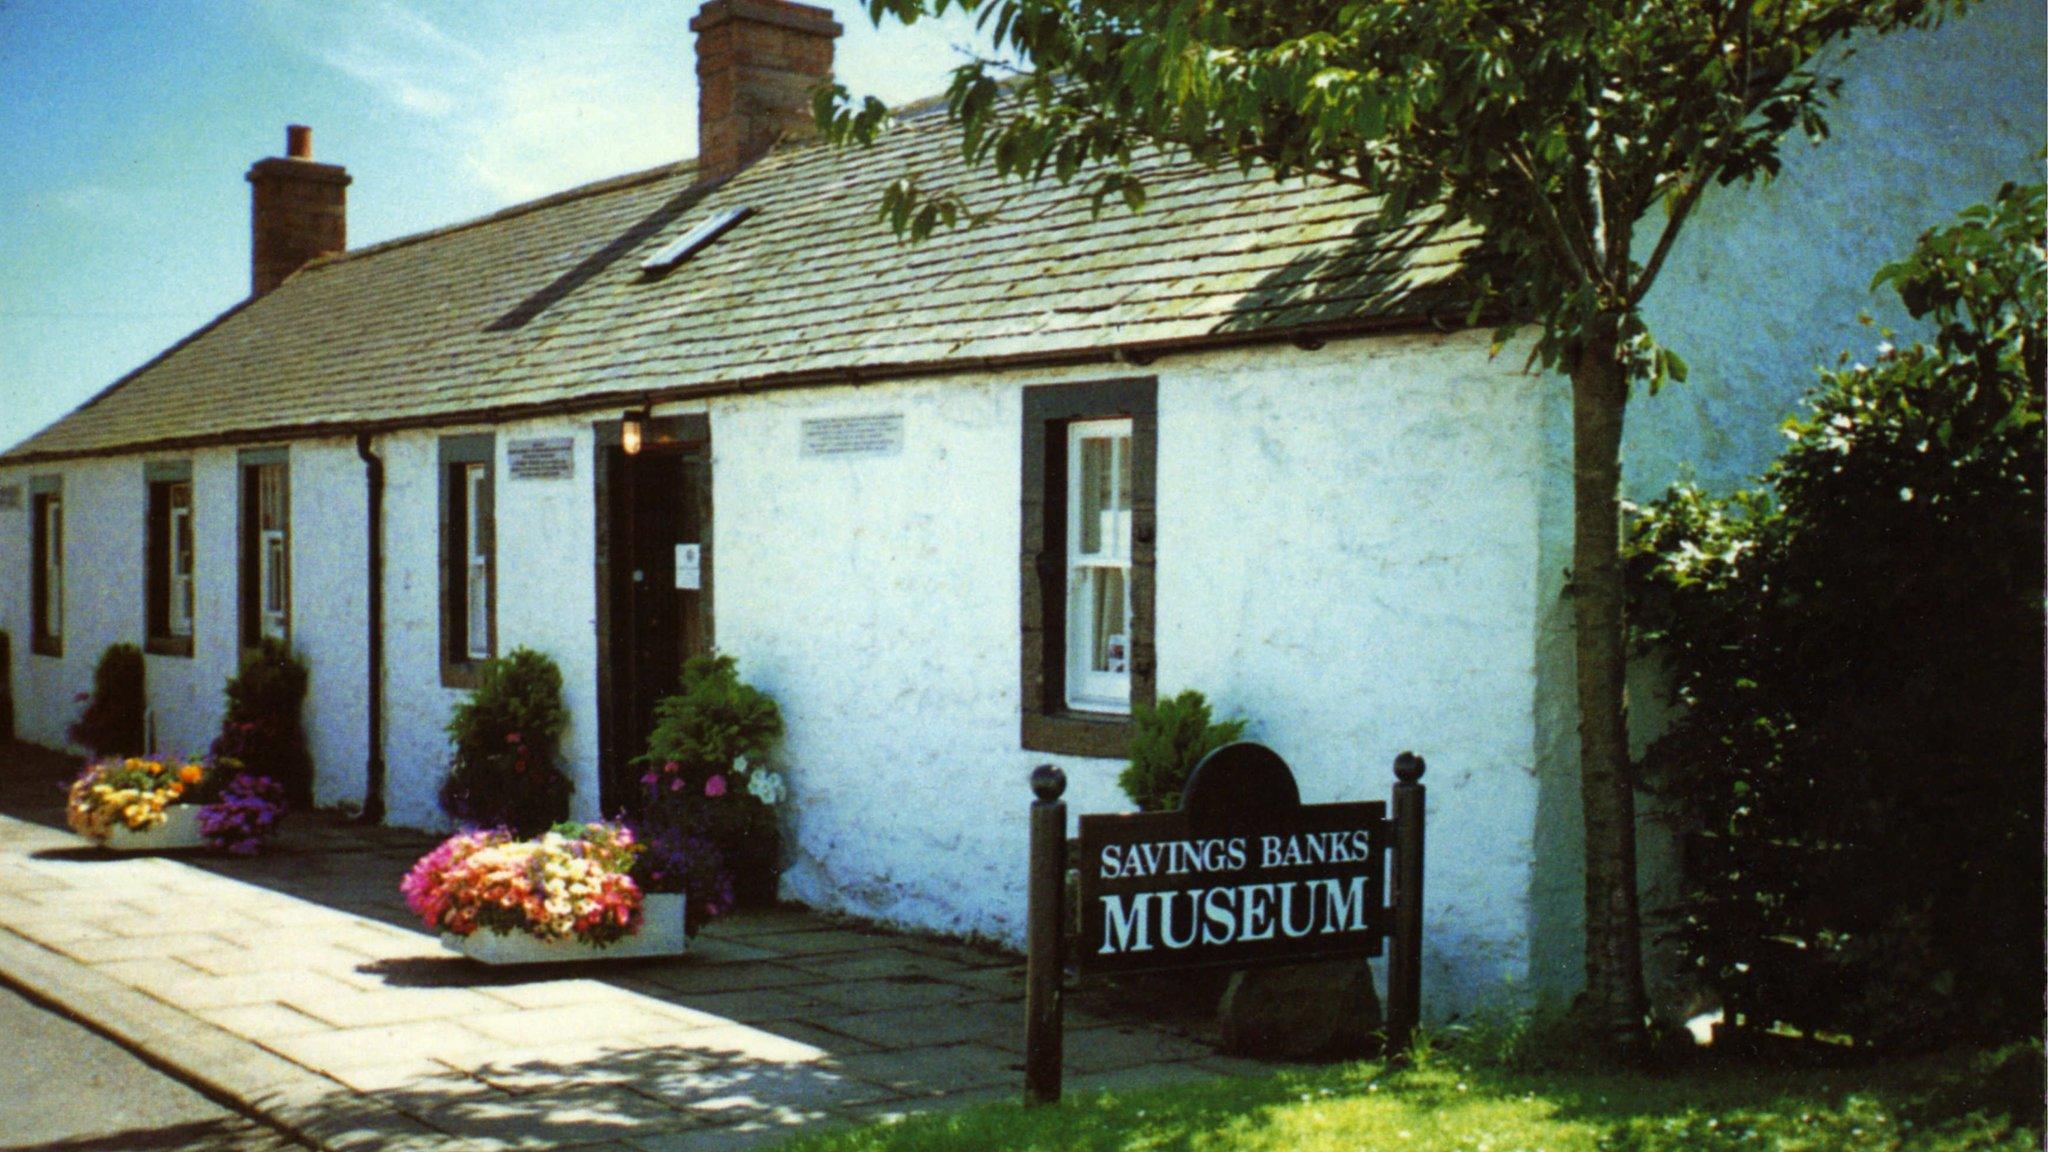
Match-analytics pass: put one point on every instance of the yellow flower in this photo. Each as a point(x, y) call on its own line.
point(155, 769)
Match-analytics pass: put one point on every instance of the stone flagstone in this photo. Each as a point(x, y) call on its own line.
point(367, 1034)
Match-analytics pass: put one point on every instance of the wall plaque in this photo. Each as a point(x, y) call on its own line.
point(10, 497)
point(553, 458)
point(854, 435)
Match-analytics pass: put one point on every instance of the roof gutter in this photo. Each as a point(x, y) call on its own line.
point(1130, 352)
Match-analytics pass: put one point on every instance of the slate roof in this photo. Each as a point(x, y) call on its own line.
point(544, 307)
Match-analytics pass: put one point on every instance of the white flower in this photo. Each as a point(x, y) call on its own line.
point(739, 765)
point(767, 787)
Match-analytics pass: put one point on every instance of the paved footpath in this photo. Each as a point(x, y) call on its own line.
point(291, 985)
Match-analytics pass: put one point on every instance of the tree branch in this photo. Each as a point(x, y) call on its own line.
point(1672, 224)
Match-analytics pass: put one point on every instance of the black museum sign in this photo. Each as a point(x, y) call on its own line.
point(1241, 874)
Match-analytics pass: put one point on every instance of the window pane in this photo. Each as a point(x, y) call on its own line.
point(479, 611)
point(53, 567)
point(271, 513)
point(1096, 498)
point(1109, 648)
point(179, 561)
point(273, 585)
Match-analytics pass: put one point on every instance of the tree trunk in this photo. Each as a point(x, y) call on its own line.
point(1615, 1003)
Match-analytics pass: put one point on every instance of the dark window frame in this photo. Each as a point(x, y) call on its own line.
point(42, 490)
point(160, 477)
point(248, 541)
point(459, 668)
point(1047, 724)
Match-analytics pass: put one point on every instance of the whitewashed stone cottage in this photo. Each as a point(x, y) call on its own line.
point(956, 506)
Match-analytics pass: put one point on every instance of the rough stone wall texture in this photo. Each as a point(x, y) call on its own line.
point(546, 601)
point(416, 705)
point(1767, 281)
point(1347, 555)
point(329, 528)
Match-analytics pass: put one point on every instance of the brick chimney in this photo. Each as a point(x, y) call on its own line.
point(758, 61)
point(299, 211)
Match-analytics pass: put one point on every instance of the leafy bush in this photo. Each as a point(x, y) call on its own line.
point(1857, 648)
point(112, 723)
point(1167, 740)
point(262, 733)
point(708, 784)
point(507, 737)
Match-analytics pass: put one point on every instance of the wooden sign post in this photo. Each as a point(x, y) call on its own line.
point(1241, 874)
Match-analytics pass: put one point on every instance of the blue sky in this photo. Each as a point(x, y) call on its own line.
point(126, 127)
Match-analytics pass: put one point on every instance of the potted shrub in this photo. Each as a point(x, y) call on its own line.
point(261, 733)
point(708, 788)
point(129, 804)
point(112, 722)
point(507, 737)
point(569, 894)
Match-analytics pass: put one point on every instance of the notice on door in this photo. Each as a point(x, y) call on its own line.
point(854, 435)
point(690, 567)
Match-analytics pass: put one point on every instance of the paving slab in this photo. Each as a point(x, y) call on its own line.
point(295, 985)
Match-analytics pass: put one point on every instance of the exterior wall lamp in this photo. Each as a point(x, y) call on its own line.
point(631, 428)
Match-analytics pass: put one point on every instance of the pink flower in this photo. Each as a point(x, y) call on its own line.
point(511, 737)
point(675, 785)
point(648, 779)
point(671, 767)
point(715, 786)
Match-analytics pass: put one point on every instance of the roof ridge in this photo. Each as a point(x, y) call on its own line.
point(551, 200)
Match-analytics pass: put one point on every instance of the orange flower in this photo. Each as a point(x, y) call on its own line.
point(191, 773)
point(155, 769)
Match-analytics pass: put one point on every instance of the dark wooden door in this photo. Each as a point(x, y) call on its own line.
point(655, 582)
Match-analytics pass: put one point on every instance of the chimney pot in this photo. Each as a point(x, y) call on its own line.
point(298, 211)
point(758, 62)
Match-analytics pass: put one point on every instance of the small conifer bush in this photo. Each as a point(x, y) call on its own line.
point(1167, 740)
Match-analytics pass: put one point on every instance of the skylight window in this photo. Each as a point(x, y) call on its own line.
point(687, 245)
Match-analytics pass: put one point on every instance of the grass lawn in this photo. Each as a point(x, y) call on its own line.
point(1982, 1101)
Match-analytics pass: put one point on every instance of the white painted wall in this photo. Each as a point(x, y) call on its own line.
point(1347, 555)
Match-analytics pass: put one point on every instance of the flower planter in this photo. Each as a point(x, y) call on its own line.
point(180, 829)
point(661, 934)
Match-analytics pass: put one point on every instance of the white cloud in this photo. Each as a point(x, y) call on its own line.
point(540, 96)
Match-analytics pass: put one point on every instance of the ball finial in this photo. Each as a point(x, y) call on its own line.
point(1408, 767)
point(1048, 783)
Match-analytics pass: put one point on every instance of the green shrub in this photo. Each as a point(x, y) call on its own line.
point(1167, 740)
point(706, 774)
point(112, 723)
point(507, 737)
point(1856, 648)
point(262, 733)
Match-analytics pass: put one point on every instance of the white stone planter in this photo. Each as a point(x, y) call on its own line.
point(661, 934)
point(180, 829)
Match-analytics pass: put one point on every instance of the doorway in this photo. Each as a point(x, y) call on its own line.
point(653, 584)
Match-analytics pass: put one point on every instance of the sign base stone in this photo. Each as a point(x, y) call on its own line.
point(1319, 1011)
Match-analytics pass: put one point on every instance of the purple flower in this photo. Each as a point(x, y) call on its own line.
point(245, 815)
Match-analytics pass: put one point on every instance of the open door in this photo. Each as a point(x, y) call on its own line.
point(653, 584)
